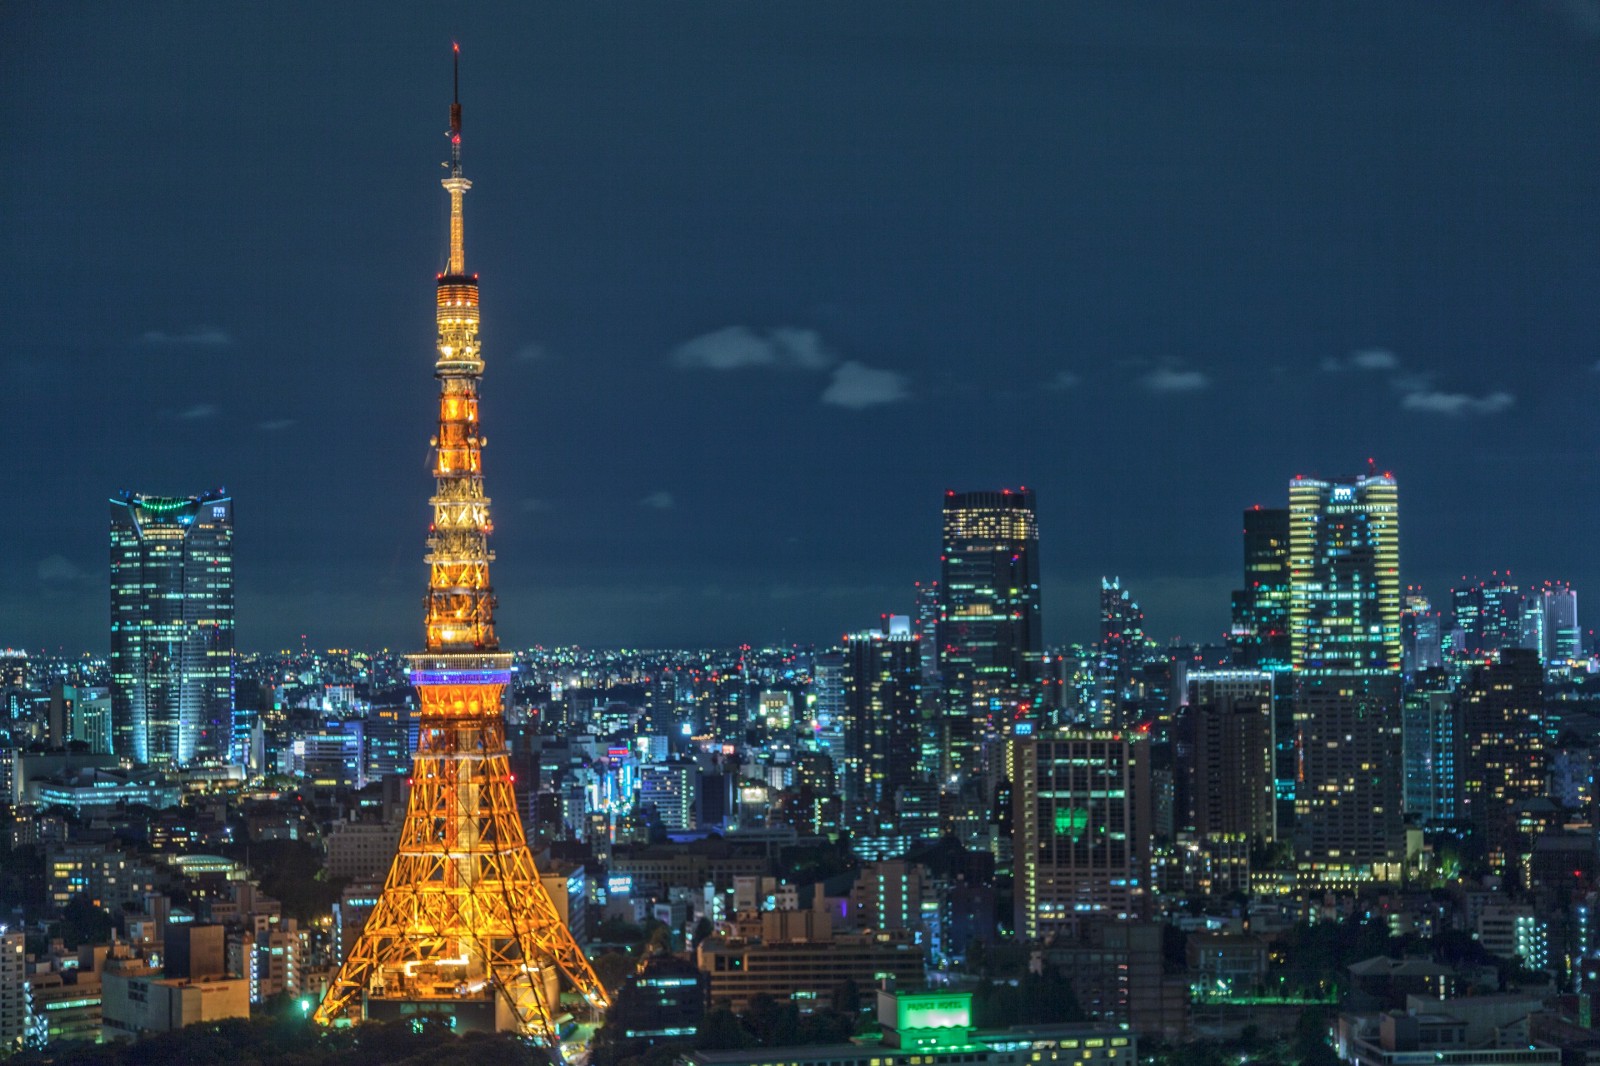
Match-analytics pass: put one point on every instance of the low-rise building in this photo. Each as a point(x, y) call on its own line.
point(362, 851)
point(63, 1005)
point(935, 1029)
point(804, 961)
point(137, 999)
point(1476, 1031)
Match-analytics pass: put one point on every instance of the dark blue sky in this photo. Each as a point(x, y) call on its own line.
point(761, 281)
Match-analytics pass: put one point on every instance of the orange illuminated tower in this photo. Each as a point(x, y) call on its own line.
point(464, 928)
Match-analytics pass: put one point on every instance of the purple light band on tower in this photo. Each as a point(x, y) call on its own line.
point(461, 677)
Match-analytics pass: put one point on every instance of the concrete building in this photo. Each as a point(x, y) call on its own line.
point(1479, 1031)
point(362, 851)
point(1082, 809)
point(810, 966)
point(63, 1005)
point(137, 999)
point(13, 990)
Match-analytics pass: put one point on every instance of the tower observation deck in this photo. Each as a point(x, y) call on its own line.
point(464, 928)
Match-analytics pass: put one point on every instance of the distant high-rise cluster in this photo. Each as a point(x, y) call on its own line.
point(172, 627)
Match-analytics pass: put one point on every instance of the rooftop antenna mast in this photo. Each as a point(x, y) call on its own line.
point(456, 184)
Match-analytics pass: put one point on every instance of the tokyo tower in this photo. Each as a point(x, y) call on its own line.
point(464, 929)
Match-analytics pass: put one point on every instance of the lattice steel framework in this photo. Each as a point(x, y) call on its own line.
point(463, 918)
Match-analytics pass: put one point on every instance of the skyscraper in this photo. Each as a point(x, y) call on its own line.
point(1344, 561)
point(465, 927)
point(171, 627)
point(990, 640)
point(1562, 639)
point(1260, 632)
point(1121, 646)
point(882, 722)
point(1421, 634)
point(1500, 715)
point(1232, 792)
point(1487, 616)
point(1429, 747)
point(1344, 621)
point(1082, 814)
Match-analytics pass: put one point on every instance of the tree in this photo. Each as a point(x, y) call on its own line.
point(721, 1031)
point(613, 968)
point(1311, 1039)
point(84, 923)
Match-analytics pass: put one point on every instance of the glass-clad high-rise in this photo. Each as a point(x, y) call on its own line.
point(1344, 568)
point(990, 641)
point(1344, 628)
point(171, 627)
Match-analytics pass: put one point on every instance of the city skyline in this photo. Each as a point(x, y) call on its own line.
point(824, 271)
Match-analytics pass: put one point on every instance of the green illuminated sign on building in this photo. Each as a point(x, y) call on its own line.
point(1071, 821)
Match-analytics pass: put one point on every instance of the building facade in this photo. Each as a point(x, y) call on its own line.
point(882, 722)
point(1082, 821)
point(172, 627)
point(1231, 730)
point(990, 636)
point(1346, 650)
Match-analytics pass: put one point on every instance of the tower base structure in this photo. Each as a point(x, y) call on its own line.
point(464, 928)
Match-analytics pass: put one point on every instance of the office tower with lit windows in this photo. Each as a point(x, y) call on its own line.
point(1561, 639)
point(1232, 789)
point(827, 704)
point(1260, 631)
point(1428, 747)
point(1503, 728)
point(79, 715)
point(171, 627)
point(990, 640)
point(1344, 560)
point(1344, 626)
point(882, 722)
point(1259, 635)
point(1083, 819)
point(1421, 634)
point(927, 628)
point(1487, 616)
point(465, 928)
point(1121, 649)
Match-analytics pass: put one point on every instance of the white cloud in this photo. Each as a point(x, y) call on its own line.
point(530, 505)
point(1366, 359)
point(274, 425)
point(660, 500)
point(740, 348)
point(1064, 379)
point(193, 337)
point(1175, 379)
point(1456, 404)
point(58, 570)
point(198, 412)
point(856, 386)
point(531, 353)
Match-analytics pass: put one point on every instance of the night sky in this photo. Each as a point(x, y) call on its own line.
point(762, 280)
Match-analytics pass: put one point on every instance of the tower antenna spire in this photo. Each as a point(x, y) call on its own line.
point(456, 184)
point(455, 102)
